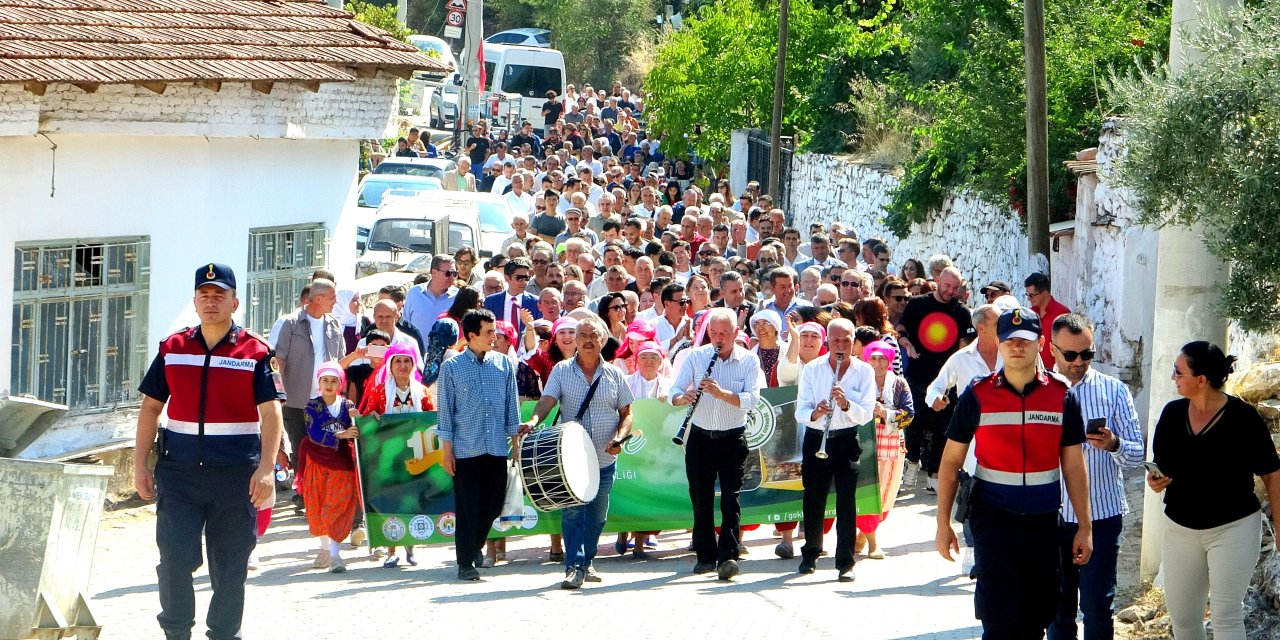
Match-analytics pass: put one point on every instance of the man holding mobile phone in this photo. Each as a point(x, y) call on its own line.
point(1114, 441)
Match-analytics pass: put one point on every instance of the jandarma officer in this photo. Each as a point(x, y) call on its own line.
point(216, 455)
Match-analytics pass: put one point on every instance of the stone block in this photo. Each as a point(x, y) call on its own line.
point(1259, 383)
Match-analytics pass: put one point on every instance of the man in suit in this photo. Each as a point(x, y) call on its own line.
point(506, 305)
point(459, 179)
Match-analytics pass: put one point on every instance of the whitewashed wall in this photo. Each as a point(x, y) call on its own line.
point(360, 109)
point(985, 241)
point(195, 198)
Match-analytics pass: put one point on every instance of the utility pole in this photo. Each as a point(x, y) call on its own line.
point(1037, 205)
point(779, 88)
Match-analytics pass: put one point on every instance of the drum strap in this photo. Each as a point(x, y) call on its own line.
point(591, 392)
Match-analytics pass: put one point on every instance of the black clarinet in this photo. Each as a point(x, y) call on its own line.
point(684, 428)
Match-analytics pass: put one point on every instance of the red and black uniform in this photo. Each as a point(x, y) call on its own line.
point(209, 449)
point(1018, 439)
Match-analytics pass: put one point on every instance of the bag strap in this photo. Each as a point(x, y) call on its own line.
point(591, 392)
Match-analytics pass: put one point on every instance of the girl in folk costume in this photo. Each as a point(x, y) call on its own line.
point(396, 388)
point(767, 327)
point(327, 468)
point(894, 410)
point(648, 382)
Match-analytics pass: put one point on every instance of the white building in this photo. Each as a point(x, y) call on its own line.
point(140, 139)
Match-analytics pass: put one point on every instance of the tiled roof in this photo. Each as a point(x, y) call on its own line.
point(136, 41)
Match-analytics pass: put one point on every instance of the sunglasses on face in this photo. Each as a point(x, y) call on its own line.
point(899, 298)
point(522, 278)
point(542, 262)
point(451, 273)
point(851, 283)
point(617, 307)
point(1070, 356)
point(684, 302)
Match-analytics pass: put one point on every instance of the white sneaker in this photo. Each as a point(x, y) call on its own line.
point(253, 561)
point(912, 474)
point(336, 565)
point(322, 560)
point(966, 562)
point(931, 484)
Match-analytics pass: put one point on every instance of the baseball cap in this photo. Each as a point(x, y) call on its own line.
point(1018, 323)
point(219, 275)
point(998, 285)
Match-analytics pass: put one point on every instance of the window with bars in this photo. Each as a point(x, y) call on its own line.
point(281, 261)
point(80, 321)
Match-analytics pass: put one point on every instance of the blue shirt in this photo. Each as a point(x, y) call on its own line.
point(1102, 396)
point(568, 384)
point(476, 404)
point(422, 308)
point(796, 302)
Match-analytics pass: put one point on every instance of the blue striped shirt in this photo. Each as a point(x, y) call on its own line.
point(1102, 396)
point(476, 404)
point(740, 375)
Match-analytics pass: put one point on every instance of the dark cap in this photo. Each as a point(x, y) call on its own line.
point(998, 285)
point(219, 275)
point(1019, 322)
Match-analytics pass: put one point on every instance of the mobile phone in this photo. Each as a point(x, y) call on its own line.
point(376, 350)
point(1095, 426)
point(1154, 470)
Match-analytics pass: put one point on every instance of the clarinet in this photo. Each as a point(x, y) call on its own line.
point(821, 453)
point(684, 428)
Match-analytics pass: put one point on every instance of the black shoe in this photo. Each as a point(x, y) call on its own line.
point(556, 556)
point(468, 573)
point(704, 567)
point(640, 554)
point(479, 559)
point(846, 575)
point(298, 505)
point(728, 569)
point(808, 565)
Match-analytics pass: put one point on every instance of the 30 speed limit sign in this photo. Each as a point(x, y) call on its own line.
point(454, 18)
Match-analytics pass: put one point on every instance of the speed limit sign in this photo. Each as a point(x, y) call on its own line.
point(454, 18)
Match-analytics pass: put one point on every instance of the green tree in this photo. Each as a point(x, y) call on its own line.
point(966, 73)
point(717, 70)
point(1204, 148)
point(382, 17)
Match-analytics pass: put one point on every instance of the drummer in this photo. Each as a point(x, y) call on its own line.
point(595, 394)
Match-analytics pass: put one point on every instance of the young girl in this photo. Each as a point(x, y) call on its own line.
point(326, 464)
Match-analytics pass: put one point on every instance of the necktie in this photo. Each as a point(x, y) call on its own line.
point(514, 319)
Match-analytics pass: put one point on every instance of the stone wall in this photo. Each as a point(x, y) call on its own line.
point(985, 241)
point(361, 109)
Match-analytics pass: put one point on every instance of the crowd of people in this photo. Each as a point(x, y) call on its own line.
point(634, 276)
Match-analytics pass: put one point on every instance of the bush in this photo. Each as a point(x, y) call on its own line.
point(1204, 149)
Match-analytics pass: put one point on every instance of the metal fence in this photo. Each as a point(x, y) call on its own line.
point(281, 261)
point(79, 321)
point(758, 147)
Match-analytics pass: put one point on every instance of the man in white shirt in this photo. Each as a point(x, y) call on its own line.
point(520, 223)
point(519, 198)
point(672, 324)
point(836, 395)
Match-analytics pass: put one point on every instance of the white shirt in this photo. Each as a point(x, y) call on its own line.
point(522, 203)
point(740, 375)
point(960, 369)
point(665, 331)
point(859, 384)
point(499, 184)
point(317, 350)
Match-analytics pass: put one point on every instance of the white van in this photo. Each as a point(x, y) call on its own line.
point(522, 72)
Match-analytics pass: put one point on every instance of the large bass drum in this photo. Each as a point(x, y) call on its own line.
point(559, 467)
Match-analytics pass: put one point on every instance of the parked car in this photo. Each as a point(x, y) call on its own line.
point(529, 37)
point(409, 228)
point(494, 212)
point(432, 45)
point(374, 186)
point(419, 167)
point(524, 74)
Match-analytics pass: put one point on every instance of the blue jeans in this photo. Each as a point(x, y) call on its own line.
point(582, 526)
point(1092, 585)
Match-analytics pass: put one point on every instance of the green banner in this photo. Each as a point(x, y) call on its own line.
point(409, 497)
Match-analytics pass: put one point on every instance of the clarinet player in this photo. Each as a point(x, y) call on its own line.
point(716, 445)
point(836, 395)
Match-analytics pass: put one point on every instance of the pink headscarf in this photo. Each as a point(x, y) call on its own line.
point(332, 368)
point(879, 348)
point(506, 329)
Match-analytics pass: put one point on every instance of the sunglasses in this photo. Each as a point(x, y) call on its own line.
point(684, 302)
point(617, 307)
point(706, 253)
point(522, 278)
point(899, 298)
point(542, 262)
point(851, 283)
point(1070, 356)
point(451, 273)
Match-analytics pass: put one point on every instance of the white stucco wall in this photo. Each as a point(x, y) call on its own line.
point(984, 240)
point(196, 199)
point(361, 109)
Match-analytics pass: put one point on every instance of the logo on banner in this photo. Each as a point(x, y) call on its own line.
point(421, 527)
point(393, 529)
point(448, 524)
point(761, 422)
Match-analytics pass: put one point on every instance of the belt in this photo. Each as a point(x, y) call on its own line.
point(721, 433)
point(835, 433)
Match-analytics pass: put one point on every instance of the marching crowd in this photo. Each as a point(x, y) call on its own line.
point(633, 276)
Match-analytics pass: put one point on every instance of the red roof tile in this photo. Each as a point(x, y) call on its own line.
point(128, 41)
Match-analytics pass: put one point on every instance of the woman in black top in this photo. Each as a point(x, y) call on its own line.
point(1208, 447)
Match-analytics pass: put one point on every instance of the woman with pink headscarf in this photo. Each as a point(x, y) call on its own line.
point(397, 388)
point(894, 411)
